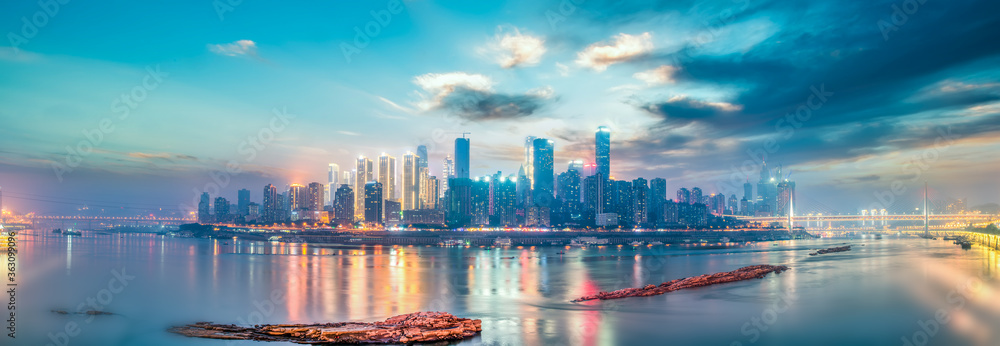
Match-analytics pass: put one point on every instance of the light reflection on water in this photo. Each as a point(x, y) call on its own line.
point(873, 295)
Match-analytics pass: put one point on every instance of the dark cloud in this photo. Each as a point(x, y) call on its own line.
point(471, 104)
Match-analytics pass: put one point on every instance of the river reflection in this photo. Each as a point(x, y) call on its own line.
point(880, 293)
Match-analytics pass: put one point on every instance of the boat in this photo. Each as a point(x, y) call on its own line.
point(57, 231)
point(966, 245)
point(452, 242)
point(878, 236)
point(724, 240)
point(636, 243)
point(274, 238)
point(502, 242)
point(656, 243)
point(72, 232)
point(587, 241)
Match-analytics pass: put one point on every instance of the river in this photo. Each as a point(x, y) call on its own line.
point(890, 291)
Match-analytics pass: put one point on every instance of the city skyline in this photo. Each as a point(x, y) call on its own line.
point(686, 100)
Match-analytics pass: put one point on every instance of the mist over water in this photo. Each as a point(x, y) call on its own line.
point(880, 293)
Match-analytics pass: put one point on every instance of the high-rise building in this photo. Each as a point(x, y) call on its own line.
point(640, 198)
point(270, 204)
point(393, 213)
point(786, 194)
point(429, 190)
point(221, 210)
point(363, 174)
point(298, 198)
point(734, 206)
point(544, 175)
point(374, 202)
point(624, 203)
point(314, 202)
point(458, 202)
point(576, 165)
point(462, 158)
point(203, 208)
point(411, 181)
point(505, 201)
point(683, 196)
point(602, 152)
point(523, 188)
point(447, 173)
point(422, 157)
point(589, 169)
point(387, 175)
point(748, 190)
point(569, 193)
point(657, 196)
point(479, 206)
point(349, 177)
point(343, 204)
point(529, 159)
point(696, 196)
point(767, 192)
point(332, 181)
point(243, 202)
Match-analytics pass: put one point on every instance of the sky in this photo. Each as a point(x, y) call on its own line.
point(137, 107)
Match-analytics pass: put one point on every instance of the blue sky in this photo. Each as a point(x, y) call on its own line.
point(688, 87)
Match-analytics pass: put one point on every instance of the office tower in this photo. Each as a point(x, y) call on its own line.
point(343, 204)
point(447, 173)
point(411, 181)
point(766, 192)
point(602, 152)
point(505, 201)
point(624, 203)
point(364, 173)
point(683, 196)
point(716, 203)
point(221, 210)
point(332, 181)
point(544, 175)
point(203, 208)
point(523, 189)
point(591, 192)
point(373, 202)
point(734, 205)
point(283, 211)
point(589, 169)
point(479, 206)
point(270, 203)
point(640, 198)
point(387, 175)
point(529, 159)
point(576, 165)
point(253, 212)
point(671, 212)
point(243, 202)
point(422, 156)
point(462, 158)
point(315, 199)
point(429, 187)
point(696, 196)
point(393, 211)
point(785, 195)
point(569, 193)
point(748, 190)
point(458, 200)
point(297, 198)
point(657, 195)
point(746, 207)
point(349, 177)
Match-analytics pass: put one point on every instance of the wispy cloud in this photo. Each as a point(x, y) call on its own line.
point(471, 96)
point(625, 47)
point(349, 133)
point(660, 75)
point(238, 48)
point(511, 48)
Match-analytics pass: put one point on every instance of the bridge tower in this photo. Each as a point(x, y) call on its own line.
point(926, 213)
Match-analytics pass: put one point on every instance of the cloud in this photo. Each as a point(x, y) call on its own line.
point(625, 47)
point(471, 96)
point(162, 156)
point(685, 109)
point(241, 47)
point(660, 75)
point(513, 49)
point(349, 133)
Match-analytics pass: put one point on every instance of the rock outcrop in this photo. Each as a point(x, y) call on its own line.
point(745, 273)
point(402, 329)
point(831, 250)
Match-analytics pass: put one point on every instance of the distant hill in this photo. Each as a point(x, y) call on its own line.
point(988, 208)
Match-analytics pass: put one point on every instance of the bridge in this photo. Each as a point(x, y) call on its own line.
point(94, 222)
point(870, 218)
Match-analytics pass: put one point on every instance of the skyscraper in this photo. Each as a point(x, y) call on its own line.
point(343, 204)
point(243, 202)
point(364, 173)
point(602, 152)
point(786, 193)
point(505, 201)
point(422, 156)
point(640, 198)
point(447, 173)
point(479, 201)
point(462, 158)
point(683, 196)
point(576, 165)
point(411, 181)
point(657, 196)
point(332, 181)
point(314, 201)
point(373, 202)
point(429, 191)
point(270, 204)
point(297, 197)
point(221, 210)
point(203, 208)
point(696, 196)
point(529, 159)
point(387, 175)
point(544, 175)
